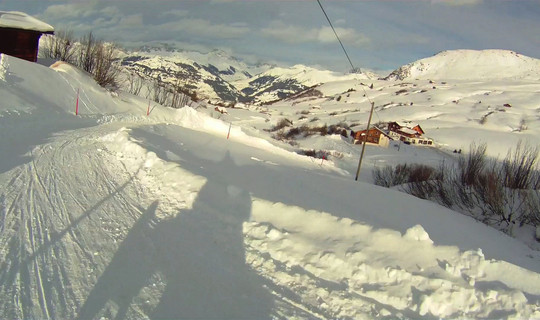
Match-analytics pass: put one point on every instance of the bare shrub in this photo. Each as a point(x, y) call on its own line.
point(383, 176)
point(59, 46)
point(293, 132)
point(471, 166)
point(402, 174)
point(319, 154)
point(86, 58)
point(518, 167)
point(280, 135)
point(134, 83)
point(282, 123)
point(106, 69)
point(500, 194)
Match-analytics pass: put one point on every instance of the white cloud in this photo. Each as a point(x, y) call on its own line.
point(347, 35)
point(201, 27)
point(457, 2)
point(297, 34)
point(176, 13)
point(63, 11)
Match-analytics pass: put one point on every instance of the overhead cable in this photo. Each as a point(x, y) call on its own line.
point(333, 29)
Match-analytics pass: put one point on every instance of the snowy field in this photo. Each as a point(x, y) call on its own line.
point(114, 214)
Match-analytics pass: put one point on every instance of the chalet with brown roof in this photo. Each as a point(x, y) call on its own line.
point(409, 133)
point(374, 136)
point(20, 33)
point(398, 126)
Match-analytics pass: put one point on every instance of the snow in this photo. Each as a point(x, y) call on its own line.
point(115, 214)
point(472, 64)
point(21, 20)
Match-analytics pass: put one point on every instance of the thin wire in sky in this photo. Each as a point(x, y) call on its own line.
point(333, 29)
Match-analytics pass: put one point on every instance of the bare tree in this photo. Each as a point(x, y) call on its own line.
point(134, 83)
point(105, 66)
point(179, 98)
point(87, 53)
point(60, 46)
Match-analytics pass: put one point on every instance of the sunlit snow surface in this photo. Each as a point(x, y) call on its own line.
point(112, 214)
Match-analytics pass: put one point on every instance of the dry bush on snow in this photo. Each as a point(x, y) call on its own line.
point(500, 194)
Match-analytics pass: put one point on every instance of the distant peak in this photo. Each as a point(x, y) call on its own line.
point(465, 64)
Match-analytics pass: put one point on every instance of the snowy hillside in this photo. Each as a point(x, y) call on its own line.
point(228, 67)
point(279, 83)
point(116, 214)
point(471, 65)
point(221, 78)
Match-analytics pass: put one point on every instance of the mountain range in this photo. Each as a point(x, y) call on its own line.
point(220, 78)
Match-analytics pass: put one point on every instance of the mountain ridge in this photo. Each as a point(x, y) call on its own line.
point(465, 64)
point(221, 78)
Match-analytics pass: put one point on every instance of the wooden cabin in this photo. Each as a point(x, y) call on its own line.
point(374, 136)
point(20, 33)
point(397, 126)
point(410, 133)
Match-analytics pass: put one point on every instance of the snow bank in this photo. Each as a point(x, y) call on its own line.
point(347, 269)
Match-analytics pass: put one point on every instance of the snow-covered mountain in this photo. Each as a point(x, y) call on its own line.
point(205, 81)
point(278, 83)
point(220, 78)
point(471, 65)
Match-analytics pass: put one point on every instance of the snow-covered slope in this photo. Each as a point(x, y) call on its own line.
point(206, 82)
point(279, 83)
point(224, 79)
point(471, 65)
point(115, 214)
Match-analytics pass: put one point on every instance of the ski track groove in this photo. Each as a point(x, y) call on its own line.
point(38, 260)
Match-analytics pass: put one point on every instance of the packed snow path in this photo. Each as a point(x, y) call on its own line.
point(113, 215)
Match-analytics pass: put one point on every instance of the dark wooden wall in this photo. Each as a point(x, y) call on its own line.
point(20, 43)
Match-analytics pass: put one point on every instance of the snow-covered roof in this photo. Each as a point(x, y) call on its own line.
point(21, 20)
point(408, 130)
point(406, 124)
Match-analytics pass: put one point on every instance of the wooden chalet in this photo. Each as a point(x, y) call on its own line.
point(398, 126)
point(20, 33)
point(409, 133)
point(374, 136)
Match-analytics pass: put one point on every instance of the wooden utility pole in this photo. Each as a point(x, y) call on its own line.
point(364, 142)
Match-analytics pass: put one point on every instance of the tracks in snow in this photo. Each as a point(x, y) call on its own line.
point(58, 211)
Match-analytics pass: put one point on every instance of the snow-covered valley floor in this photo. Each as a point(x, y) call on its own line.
point(112, 214)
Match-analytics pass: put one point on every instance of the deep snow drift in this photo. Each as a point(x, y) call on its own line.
point(113, 214)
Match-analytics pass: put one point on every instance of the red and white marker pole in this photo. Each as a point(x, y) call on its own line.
point(148, 109)
point(229, 133)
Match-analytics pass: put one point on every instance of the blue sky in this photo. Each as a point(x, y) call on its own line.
point(378, 34)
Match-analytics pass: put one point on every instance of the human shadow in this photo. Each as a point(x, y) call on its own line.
point(200, 255)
